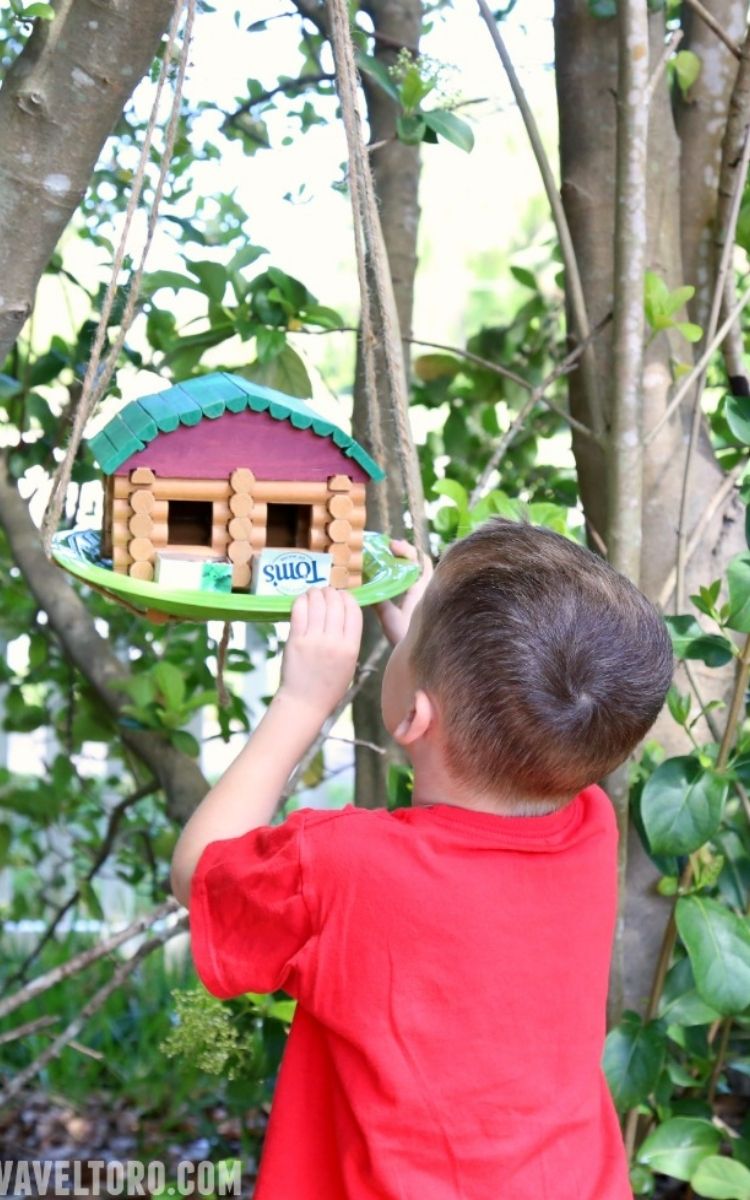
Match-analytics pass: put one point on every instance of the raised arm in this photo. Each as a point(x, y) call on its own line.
point(317, 667)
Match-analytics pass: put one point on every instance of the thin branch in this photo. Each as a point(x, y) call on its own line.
point(498, 452)
point(727, 485)
point(574, 286)
point(115, 817)
point(290, 86)
point(710, 20)
point(658, 71)
point(74, 965)
point(536, 396)
point(358, 742)
point(699, 367)
point(28, 1029)
point(497, 369)
point(99, 998)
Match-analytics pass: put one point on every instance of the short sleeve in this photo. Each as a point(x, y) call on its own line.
point(249, 921)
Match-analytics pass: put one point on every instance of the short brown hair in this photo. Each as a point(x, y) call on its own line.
point(548, 666)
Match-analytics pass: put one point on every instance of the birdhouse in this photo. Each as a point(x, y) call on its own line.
point(221, 468)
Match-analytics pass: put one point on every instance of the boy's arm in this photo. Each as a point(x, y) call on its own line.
point(317, 667)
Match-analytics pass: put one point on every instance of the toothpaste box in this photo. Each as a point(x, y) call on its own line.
point(289, 572)
point(192, 572)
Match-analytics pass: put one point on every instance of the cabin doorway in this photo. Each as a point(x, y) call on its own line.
point(288, 525)
point(190, 522)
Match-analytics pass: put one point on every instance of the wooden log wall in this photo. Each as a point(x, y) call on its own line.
point(345, 506)
point(137, 519)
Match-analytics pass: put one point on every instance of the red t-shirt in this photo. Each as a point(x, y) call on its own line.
point(451, 970)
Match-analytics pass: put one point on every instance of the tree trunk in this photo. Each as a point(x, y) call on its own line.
point(586, 73)
point(58, 104)
point(396, 170)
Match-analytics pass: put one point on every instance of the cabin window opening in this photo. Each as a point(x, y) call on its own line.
point(190, 522)
point(288, 525)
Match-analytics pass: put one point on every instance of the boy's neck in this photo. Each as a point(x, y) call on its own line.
point(433, 785)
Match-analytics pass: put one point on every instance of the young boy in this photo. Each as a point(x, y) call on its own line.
point(450, 960)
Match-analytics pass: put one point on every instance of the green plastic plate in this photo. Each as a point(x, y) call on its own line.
point(77, 551)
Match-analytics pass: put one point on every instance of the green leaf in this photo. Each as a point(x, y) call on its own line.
point(282, 1010)
point(185, 742)
point(414, 88)
point(720, 1178)
point(633, 1058)
point(318, 314)
point(686, 67)
point(527, 278)
point(9, 387)
point(447, 125)
point(738, 580)
point(245, 256)
point(454, 491)
point(691, 332)
point(44, 12)
point(213, 278)
point(678, 298)
point(170, 683)
point(286, 372)
point(689, 641)
point(718, 943)
point(410, 129)
point(679, 705)
point(375, 69)
point(656, 296)
point(429, 367)
point(737, 413)
point(680, 1002)
point(681, 805)
point(679, 1145)
point(5, 840)
point(167, 279)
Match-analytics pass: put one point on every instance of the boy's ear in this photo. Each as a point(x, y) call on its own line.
point(420, 718)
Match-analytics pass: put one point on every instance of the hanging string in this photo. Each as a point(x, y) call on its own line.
point(97, 377)
point(372, 263)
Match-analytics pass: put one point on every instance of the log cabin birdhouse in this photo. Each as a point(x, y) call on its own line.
point(222, 468)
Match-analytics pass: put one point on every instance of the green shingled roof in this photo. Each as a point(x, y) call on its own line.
point(210, 396)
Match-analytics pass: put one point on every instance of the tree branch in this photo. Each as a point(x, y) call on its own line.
point(574, 286)
point(710, 20)
point(72, 78)
point(99, 998)
point(115, 817)
point(79, 962)
point(178, 775)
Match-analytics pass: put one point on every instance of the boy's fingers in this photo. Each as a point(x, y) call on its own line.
point(404, 549)
point(352, 619)
point(298, 619)
point(316, 611)
point(334, 604)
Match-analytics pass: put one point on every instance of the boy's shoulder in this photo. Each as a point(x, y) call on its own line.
point(590, 812)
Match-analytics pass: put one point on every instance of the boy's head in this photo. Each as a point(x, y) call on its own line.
point(537, 665)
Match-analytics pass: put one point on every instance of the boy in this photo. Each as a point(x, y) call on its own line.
point(450, 960)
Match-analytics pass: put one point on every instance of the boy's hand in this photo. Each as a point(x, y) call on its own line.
point(394, 618)
point(321, 652)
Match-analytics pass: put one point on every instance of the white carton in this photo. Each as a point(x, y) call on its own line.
point(289, 572)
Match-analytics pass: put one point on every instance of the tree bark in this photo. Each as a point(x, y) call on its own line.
point(396, 169)
point(58, 104)
point(178, 775)
point(586, 74)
